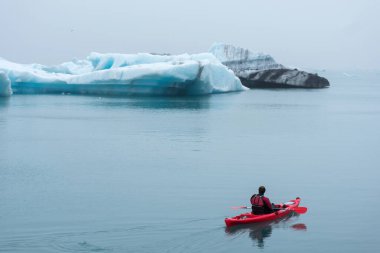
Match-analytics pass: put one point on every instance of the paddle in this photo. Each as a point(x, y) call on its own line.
point(299, 209)
point(240, 207)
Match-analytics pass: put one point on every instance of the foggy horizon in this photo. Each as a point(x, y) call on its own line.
point(323, 34)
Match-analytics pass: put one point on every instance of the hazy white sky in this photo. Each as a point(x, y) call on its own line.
point(311, 34)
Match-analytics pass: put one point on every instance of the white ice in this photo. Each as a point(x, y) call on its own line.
point(120, 74)
point(5, 85)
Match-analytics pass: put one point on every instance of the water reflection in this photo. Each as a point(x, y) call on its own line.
point(4, 102)
point(259, 234)
point(299, 227)
point(260, 231)
point(160, 103)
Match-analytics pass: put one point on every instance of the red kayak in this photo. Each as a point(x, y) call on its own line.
point(247, 218)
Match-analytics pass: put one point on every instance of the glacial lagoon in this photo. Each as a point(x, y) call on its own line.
point(137, 174)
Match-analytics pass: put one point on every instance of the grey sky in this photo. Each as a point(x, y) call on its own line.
point(334, 34)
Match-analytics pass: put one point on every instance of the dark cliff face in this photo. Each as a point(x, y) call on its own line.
point(283, 78)
point(262, 71)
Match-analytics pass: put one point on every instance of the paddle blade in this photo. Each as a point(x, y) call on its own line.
point(300, 209)
point(239, 207)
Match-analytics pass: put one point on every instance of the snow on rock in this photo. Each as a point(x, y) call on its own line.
point(242, 61)
point(125, 74)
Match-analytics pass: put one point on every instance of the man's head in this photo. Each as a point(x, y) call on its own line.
point(261, 190)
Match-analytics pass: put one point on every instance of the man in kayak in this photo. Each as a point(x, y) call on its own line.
point(261, 204)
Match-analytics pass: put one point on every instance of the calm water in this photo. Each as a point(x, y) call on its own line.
point(89, 174)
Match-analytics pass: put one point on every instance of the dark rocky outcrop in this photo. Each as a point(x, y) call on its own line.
point(262, 71)
point(283, 78)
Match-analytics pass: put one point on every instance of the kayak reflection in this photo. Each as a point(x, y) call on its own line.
point(259, 231)
point(299, 227)
point(259, 235)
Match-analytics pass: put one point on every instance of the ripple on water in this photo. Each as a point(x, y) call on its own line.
point(191, 235)
point(83, 246)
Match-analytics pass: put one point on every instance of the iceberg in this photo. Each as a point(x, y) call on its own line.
point(5, 85)
point(122, 74)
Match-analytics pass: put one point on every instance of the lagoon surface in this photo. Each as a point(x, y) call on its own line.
point(139, 174)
